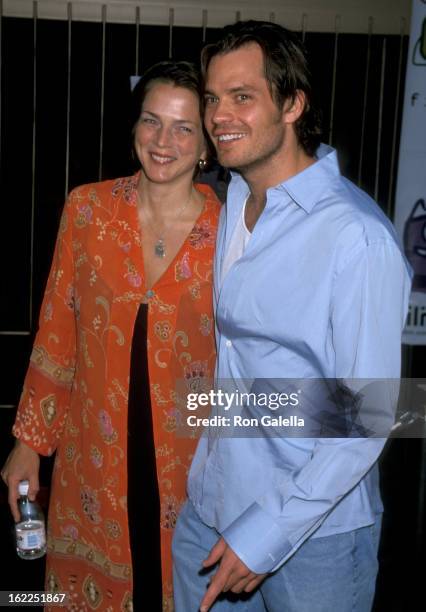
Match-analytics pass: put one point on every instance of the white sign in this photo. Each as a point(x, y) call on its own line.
point(410, 206)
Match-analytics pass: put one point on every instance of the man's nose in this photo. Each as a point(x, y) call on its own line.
point(221, 112)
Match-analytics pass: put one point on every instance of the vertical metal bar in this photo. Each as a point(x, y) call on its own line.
point(395, 118)
point(7, 332)
point(171, 24)
point(67, 145)
point(364, 106)
point(1, 62)
point(380, 121)
point(304, 26)
point(205, 20)
point(421, 497)
point(272, 17)
point(138, 23)
point(333, 86)
point(30, 302)
point(101, 134)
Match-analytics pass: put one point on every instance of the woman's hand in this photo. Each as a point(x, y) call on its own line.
point(23, 463)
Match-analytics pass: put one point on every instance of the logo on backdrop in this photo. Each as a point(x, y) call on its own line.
point(415, 244)
point(419, 51)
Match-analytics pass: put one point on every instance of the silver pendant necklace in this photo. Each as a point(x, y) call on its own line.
point(160, 245)
point(159, 248)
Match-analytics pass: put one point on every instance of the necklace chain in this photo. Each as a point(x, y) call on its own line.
point(160, 245)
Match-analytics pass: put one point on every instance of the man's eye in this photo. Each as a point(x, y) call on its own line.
point(210, 100)
point(243, 97)
point(185, 129)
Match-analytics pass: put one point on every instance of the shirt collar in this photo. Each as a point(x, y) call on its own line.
point(307, 187)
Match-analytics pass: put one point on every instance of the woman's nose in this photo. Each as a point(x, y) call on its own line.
point(163, 136)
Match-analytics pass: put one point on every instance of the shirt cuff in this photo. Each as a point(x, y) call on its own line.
point(257, 540)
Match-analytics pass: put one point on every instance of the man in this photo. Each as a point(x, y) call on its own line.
point(310, 284)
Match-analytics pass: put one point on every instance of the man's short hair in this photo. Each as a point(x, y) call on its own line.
point(286, 69)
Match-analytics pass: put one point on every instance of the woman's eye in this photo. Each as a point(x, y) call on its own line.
point(148, 121)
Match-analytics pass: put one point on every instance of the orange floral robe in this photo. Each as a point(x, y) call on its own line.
point(76, 390)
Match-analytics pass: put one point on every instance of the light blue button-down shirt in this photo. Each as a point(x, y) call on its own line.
point(321, 291)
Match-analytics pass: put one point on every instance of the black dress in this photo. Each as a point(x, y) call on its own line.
point(142, 491)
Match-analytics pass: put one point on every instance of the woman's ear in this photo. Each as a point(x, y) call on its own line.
point(204, 156)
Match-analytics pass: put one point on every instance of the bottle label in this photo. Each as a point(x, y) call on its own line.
point(30, 538)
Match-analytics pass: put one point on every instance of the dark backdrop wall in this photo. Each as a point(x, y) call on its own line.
point(65, 94)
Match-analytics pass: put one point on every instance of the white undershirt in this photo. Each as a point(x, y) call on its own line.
point(237, 245)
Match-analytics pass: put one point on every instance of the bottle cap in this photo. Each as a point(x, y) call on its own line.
point(23, 487)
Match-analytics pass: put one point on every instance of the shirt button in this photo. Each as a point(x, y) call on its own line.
point(228, 343)
point(149, 293)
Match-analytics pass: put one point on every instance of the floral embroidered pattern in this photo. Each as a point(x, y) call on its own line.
point(196, 376)
point(132, 275)
point(113, 529)
point(70, 531)
point(206, 325)
point(96, 456)
point(127, 603)
point(48, 409)
point(182, 268)
point(90, 504)
point(203, 235)
point(92, 592)
point(126, 188)
point(195, 290)
point(70, 452)
point(105, 424)
point(53, 583)
point(84, 215)
point(170, 509)
point(173, 420)
point(163, 330)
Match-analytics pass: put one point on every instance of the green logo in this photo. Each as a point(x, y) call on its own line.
point(419, 51)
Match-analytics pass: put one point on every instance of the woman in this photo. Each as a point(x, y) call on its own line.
point(127, 313)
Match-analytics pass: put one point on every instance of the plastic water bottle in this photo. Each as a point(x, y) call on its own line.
point(30, 529)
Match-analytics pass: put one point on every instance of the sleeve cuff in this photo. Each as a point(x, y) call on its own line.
point(257, 540)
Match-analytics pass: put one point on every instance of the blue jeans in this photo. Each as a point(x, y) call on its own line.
point(332, 574)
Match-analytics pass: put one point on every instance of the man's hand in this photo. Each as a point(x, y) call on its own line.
point(232, 574)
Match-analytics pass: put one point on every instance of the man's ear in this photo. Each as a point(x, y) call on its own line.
point(293, 108)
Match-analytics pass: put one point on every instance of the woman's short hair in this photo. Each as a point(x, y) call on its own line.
point(179, 74)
